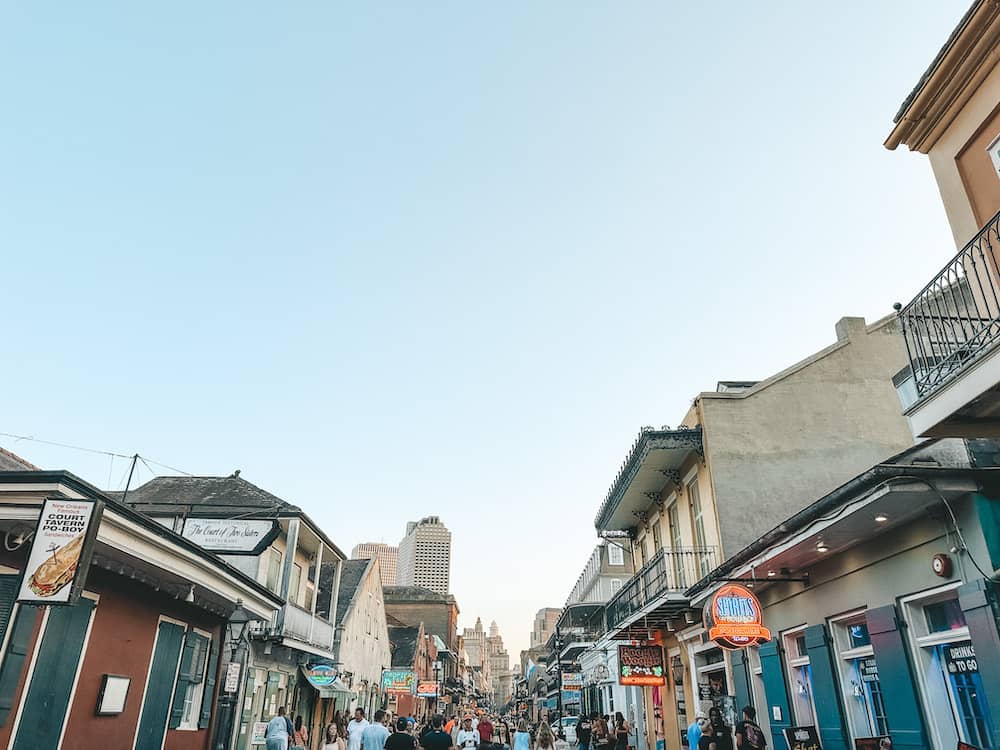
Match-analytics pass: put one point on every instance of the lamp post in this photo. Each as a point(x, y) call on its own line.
point(437, 685)
point(236, 637)
point(559, 645)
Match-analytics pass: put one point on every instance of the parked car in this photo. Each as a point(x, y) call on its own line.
point(568, 728)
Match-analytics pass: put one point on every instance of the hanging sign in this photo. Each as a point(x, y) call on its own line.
point(232, 677)
point(572, 681)
point(258, 734)
point(641, 665)
point(802, 738)
point(427, 689)
point(734, 619)
point(61, 550)
point(572, 696)
point(230, 536)
point(321, 675)
point(960, 658)
point(395, 681)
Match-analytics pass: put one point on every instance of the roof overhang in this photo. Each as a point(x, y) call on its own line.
point(654, 461)
point(901, 499)
point(965, 60)
point(656, 615)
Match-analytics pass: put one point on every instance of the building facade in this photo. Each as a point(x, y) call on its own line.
point(425, 556)
point(387, 558)
point(544, 625)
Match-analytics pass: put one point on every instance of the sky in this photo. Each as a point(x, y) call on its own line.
point(399, 259)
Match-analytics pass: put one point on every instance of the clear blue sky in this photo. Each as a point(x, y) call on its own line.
point(396, 259)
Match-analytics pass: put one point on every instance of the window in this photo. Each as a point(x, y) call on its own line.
point(948, 671)
point(657, 539)
point(799, 676)
point(697, 515)
point(273, 569)
point(616, 586)
point(191, 707)
point(616, 555)
point(859, 679)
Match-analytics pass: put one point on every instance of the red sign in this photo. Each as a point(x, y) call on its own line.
point(641, 665)
point(734, 619)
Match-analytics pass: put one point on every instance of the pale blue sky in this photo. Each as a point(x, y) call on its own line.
point(396, 259)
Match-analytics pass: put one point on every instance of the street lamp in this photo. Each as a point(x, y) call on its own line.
point(236, 627)
point(437, 685)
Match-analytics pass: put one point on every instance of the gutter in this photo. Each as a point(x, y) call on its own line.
point(869, 480)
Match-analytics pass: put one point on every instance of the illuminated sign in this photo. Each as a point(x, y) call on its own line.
point(427, 689)
point(641, 665)
point(321, 675)
point(733, 618)
point(398, 682)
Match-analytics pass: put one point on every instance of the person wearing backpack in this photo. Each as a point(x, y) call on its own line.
point(749, 735)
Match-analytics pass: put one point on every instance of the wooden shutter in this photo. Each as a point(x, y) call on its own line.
point(159, 688)
point(208, 696)
point(825, 687)
point(191, 669)
point(8, 593)
point(13, 660)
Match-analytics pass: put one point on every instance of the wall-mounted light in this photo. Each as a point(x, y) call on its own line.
point(881, 518)
point(771, 574)
point(821, 546)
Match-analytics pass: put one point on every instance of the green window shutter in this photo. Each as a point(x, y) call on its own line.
point(8, 593)
point(189, 657)
point(208, 697)
point(162, 673)
point(13, 660)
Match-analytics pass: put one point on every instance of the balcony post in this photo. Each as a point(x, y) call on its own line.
point(291, 542)
point(319, 567)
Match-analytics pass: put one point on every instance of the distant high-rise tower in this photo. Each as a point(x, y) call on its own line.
point(544, 625)
point(425, 555)
point(386, 558)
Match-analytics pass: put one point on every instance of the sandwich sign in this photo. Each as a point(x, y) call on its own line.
point(60, 553)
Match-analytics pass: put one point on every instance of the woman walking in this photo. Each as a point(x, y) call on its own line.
point(276, 735)
point(300, 736)
point(522, 737)
point(622, 731)
point(545, 740)
point(600, 734)
point(336, 734)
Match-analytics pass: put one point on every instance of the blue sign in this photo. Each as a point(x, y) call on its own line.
point(321, 675)
point(572, 696)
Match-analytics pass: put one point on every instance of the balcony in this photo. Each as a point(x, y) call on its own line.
point(300, 625)
point(952, 328)
point(655, 594)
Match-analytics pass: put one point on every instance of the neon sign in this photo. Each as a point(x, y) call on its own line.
point(733, 618)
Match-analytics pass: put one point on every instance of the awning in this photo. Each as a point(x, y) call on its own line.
point(325, 683)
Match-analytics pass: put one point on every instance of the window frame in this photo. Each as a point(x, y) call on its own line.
point(793, 665)
point(198, 688)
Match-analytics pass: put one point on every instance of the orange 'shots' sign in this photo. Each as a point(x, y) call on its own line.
point(733, 618)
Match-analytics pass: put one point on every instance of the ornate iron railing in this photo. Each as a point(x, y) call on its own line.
point(956, 317)
point(670, 570)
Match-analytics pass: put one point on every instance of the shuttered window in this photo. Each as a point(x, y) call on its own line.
point(187, 706)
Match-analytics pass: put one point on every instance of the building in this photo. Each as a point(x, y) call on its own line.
point(608, 569)
point(951, 384)
point(414, 607)
point(387, 558)
point(544, 625)
point(477, 657)
point(501, 678)
point(413, 651)
point(361, 646)
point(856, 658)
point(254, 531)
point(743, 458)
point(425, 555)
point(139, 660)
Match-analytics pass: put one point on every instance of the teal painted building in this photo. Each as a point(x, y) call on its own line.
point(894, 632)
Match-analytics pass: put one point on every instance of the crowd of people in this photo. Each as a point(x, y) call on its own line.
point(593, 732)
point(711, 732)
point(389, 732)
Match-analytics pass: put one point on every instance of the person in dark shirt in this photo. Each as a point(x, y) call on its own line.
point(583, 730)
point(707, 741)
point(401, 739)
point(437, 738)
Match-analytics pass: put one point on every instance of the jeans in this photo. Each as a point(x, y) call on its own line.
point(277, 743)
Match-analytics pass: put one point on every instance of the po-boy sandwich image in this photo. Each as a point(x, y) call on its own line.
point(56, 571)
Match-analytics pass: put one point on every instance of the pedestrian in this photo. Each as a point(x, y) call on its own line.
point(276, 735)
point(449, 726)
point(335, 734)
point(374, 735)
point(402, 739)
point(707, 740)
point(437, 738)
point(749, 735)
point(722, 732)
point(522, 737)
point(355, 729)
point(695, 729)
point(544, 739)
point(485, 728)
point(622, 730)
point(468, 737)
point(300, 735)
point(503, 734)
point(584, 727)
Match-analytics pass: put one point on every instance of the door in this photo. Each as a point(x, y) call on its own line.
point(46, 702)
point(160, 686)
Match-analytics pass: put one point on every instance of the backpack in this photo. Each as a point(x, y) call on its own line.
point(753, 736)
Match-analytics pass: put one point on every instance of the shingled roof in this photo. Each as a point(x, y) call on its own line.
point(403, 642)
point(206, 494)
point(352, 573)
point(13, 462)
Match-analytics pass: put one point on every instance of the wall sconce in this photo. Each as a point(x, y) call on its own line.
point(677, 669)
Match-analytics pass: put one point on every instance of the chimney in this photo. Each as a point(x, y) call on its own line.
point(849, 328)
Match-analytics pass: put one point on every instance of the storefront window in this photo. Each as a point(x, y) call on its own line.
point(860, 686)
point(799, 677)
point(948, 670)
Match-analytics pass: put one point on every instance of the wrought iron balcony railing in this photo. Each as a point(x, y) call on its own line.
point(670, 570)
point(956, 317)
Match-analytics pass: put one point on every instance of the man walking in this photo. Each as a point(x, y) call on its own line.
point(584, 729)
point(468, 738)
point(749, 735)
point(355, 728)
point(437, 738)
point(374, 735)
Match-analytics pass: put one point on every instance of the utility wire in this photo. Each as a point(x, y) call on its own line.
point(63, 445)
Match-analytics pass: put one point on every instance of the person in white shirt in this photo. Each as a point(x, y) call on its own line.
point(355, 729)
point(467, 737)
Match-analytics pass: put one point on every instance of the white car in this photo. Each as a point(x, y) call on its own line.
point(568, 728)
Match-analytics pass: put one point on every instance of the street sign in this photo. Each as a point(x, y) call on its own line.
point(232, 677)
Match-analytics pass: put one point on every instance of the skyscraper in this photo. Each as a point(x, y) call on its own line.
point(386, 558)
point(544, 625)
point(425, 555)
